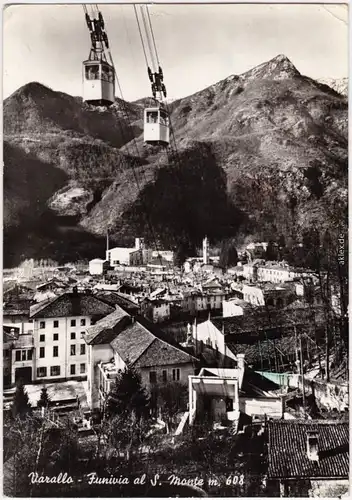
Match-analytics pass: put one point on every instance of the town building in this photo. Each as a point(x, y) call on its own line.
point(226, 394)
point(268, 340)
point(234, 307)
point(55, 349)
point(98, 267)
point(156, 310)
point(10, 335)
point(269, 295)
point(16, 305)
point(308, 458)
point(126, 256)
point(119, 340)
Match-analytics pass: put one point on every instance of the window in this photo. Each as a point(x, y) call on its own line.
point(73, 335)
point(56, 336)
point(82, 335)
point(42, 338)
point(92, 72)
point(42, 324)
point(164, 376)
point(56, 351)
point(73, 322)
point(6, 353)
point(42, 352)
point(18, 355)
point(29, 355)
point(82, 368)
point(152, 117)
point(73, 369)
point(41, 371)
point(54, 371)
point(56, 324)
point(73, 350)
point(176, 374)
point(83, 322)
point(24, 355)
point(152, 377)
point(83, 349)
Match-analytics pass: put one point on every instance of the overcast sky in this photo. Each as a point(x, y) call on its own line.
point(198, 45)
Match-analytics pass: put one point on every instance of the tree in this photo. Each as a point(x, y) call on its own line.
point(44, 399)
point(170, 398)
point(21, 405)
point(228, 254)
point(127, 432)
point(127, 394)
point(271, 252)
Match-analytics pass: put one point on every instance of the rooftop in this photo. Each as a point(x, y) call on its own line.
point(288, 449)
point(142, 344)
point(106, 329)
point(71, 304)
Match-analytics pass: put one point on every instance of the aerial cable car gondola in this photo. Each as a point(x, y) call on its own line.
point(98, 74)
point(156, 117)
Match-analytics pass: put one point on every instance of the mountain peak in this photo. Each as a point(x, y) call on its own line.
point(33, 90)
point(278, 68)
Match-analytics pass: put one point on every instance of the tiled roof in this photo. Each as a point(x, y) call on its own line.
point(71, 304)
point(132, 342)
point(114, 298)
point(288, 449)
point(105, 330)
point(138, 345)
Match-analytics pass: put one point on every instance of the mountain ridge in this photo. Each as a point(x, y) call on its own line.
point(269, 127)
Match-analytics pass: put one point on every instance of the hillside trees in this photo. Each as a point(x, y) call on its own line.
point(187, 200)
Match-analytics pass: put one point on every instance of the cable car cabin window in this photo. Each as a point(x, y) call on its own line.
point(107, 73)
point(152, 117)
point(164, 119)
point(92, 72)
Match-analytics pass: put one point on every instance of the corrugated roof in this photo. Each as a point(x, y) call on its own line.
point(288, 449)
point(71, 304)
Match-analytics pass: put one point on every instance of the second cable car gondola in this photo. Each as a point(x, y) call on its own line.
point(156, 126)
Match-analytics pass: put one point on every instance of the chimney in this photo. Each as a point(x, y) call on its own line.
point(312, 445)
point(107, 241)
point(240, 361)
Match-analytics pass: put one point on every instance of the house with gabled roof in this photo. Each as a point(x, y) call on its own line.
point(308, 458)
point(119, 340)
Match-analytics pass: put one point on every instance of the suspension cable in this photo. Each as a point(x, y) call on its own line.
point(152, 33)
point(130, 128)
point(140, 34)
